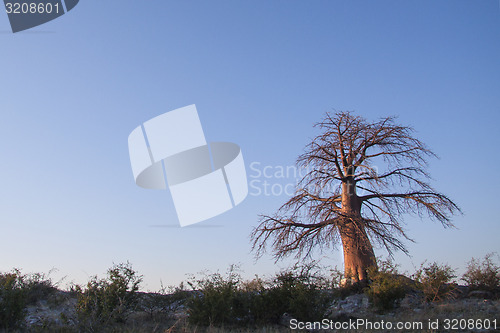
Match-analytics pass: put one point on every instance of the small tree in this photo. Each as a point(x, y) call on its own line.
point(435, 281)
point(104, 301)
point(483, 275)
point(327, 208)
point(387, 286)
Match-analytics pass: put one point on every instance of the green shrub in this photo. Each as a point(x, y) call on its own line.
point(226, 300)
point(19, 290)
point(37, 287)
point(387, 287)
point(109, 300)
point(12, 300)
point(300, 292)
point(217, 299)
point(483, 275)
point(337, 278)
point(435, 281)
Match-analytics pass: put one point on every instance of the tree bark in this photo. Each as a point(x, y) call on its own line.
point(358, 250)
point(358, 253)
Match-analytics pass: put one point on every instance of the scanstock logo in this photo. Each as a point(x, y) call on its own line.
point(205, 179)
point(26, 14)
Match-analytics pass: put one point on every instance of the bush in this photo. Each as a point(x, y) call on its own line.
point(299, 292)
point(12, 300)
point(386, 287)
point(435, 281)
point(37, 287)
point(109, 300)
point(18, 291)
point(217, 299)
point(226, 300)
point(483, 275)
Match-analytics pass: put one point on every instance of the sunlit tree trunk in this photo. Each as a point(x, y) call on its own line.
point(358, 250)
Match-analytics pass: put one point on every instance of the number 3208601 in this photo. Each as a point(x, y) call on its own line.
point(31, 8)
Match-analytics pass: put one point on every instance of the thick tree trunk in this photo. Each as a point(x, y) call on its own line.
point(358, 250)
point(358, 253)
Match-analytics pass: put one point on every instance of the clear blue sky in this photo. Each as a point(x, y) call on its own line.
point(261, 73)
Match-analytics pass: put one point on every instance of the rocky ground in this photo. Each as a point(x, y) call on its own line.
point(468, 312)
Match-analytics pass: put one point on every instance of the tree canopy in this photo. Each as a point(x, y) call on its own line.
point(346, 198)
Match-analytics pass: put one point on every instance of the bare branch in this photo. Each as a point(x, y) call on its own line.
point(326, 209)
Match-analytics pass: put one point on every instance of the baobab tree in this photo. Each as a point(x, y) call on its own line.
point(346, 197)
